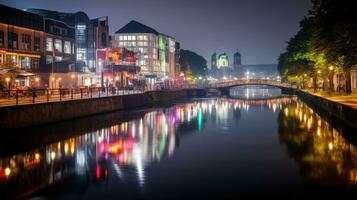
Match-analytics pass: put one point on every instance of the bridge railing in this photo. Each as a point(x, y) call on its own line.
point(253, 82)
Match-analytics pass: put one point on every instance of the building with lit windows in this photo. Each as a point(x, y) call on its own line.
point(84, 34)
point(89, 35)
point(156, 52)
point(59, 54)
point(21, 45)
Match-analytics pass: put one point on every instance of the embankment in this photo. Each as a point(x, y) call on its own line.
point(15, 117)
point(346, 114)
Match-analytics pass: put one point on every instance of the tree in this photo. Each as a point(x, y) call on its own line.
point(336, 30)
point(300, 59)
point(196, 63)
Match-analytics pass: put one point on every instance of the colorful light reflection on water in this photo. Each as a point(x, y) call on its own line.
point(128, 151)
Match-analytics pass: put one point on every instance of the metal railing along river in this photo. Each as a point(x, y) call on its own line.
point(37, 95)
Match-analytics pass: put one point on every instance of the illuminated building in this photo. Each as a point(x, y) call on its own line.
point(156, 52)
point(21, 43)
point(219, 61)
point(88, 36)
point(116, 66)
point(84, 33)
point(59, 56)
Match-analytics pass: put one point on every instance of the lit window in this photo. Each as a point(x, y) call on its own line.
point(145, 37)
point(49, 44)
point(81, 54)
point(58, 45)
point(67, 47)
point(125, 37)
point(58, 58)
point(133, 37)
point(121, 37)
point(49, 59)
point(129, 37)
point(133, 44)
point(25, 62)
point(37, 45)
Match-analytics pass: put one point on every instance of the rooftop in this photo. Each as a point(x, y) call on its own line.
point(136, 27)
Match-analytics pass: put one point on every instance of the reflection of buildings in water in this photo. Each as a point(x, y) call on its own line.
point(324, 155)
point(129, 145)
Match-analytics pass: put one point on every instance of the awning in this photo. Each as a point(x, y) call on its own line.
point(122, 68)
point(16, 72)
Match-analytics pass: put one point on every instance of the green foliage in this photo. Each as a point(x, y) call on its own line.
point(190, 61)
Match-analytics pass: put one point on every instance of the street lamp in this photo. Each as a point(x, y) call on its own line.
point(59, 80)
point(37, 81)
point(73, 76)
point(331, 79)
point(7, 82)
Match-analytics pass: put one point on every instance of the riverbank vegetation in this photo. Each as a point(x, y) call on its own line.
point(325, 47)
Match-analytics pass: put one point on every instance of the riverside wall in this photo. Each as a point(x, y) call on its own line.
point(21, 116)
point(334, 110)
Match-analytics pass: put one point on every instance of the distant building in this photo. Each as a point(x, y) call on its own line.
point(156, 52)
point(219, 61)
point(237, 60)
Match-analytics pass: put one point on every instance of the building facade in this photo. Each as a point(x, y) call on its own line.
point(21, 44)
point(85, 35)
point(156, 53)
point(101, 32)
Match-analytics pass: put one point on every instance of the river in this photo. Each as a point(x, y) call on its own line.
point(256, 144)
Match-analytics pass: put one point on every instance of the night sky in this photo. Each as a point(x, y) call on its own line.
point(258, 28)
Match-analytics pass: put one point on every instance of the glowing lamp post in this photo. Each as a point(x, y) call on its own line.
point(59, 82)
point(53, 82)
point(8, 82)
point(37, 80)
point(73, 83)
point(331, 79)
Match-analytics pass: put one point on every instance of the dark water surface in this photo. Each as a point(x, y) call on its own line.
point(218, 148)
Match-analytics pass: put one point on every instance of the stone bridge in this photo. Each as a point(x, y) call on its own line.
point(224, 87)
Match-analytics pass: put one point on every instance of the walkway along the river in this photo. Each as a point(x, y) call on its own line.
point(20, 116)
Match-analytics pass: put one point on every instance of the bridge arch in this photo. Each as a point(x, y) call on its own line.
point(224, 87)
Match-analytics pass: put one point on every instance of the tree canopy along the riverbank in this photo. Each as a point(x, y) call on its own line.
point(326, 44)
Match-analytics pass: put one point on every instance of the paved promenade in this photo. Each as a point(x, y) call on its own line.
point(23, 100)
point(349, 100)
